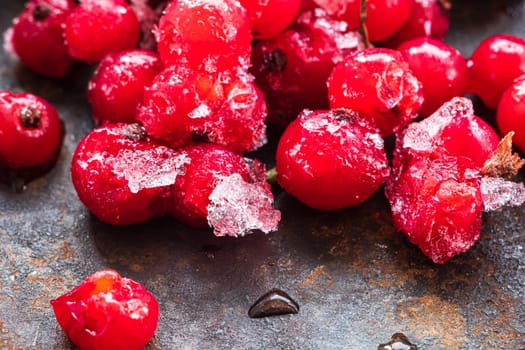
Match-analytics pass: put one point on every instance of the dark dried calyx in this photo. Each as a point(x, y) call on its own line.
point(134, 132)
point(275, 60)
point(30, 117)
point(41, 12)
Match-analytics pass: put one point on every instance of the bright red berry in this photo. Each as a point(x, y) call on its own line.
point(495, 63)
point(98, 27)
point(30, 130)
point(225, 191)
point(292, 68)
point(107, 312)
point(183, 106)
point(511, 113)
point(427, 18)
point(121, 176)
point(378, 84)
point(269, 18)
point(117, 86)
point(37, 36)
point(384, 18)
point(440, 68)
point(331, 159)
point(209, 35)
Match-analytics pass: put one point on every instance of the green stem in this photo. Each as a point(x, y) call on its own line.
point(271, 176)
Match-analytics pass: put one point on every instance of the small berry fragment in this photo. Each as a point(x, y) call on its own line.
point(107, 312)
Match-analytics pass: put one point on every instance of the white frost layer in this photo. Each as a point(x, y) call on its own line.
point(497, 193)
point(238, 207)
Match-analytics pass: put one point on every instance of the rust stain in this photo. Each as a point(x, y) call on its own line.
point(6, 340)
point(317, 277)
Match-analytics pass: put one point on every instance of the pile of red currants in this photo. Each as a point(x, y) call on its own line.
point(184, 90)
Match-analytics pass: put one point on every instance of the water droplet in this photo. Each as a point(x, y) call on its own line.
point(273, 303)
point(398, 341)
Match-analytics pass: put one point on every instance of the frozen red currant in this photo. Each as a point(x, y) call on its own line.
point(121, 176)
point(184, 106)
point(117, 86)
point(331, 159)
point(225, 191)
point(209, 35)
point(495, 63)
point(107, 312)
point(440, 68)
point(30, 130)
point(378, 84)
point(269, 18)
point(384, 18)
point(292, 68)
point(98, 27)
point(427, 18)
point(37, 36)
point(511, 113)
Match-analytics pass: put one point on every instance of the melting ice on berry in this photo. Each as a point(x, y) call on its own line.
point(238, 207)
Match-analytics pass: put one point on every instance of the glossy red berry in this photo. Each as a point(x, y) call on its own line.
point(384, 18)
point(30, 130)
point(37, 36)
point(511, 113)
point(495, 63)
point(440, 68)
point(183, 106)
point(292, 68)
point(107, 312)
point(207, 35)
point(121, 176)
point(269, 18)
point(98, 27)
point(225, 191)
point(378, 84)
point(427, 18)
point(331, 159)
point(117, 86)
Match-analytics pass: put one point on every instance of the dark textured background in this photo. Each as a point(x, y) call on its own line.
point(357, 280)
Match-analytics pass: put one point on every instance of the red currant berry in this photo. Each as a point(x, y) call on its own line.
point(384, 18)
point(440, 68)
point(511, 113)
point(207, 35)
point(183, 106)
point(292, 68)
point(495, 63)
point(121, 176)
point(269, 18)
point(107, 312)
point(222, 189)
point(37, 36)
point(427, 18)
point(378, 84)
point(98, 27)
point(331, 159)
point(117, 86)
point(30, 130)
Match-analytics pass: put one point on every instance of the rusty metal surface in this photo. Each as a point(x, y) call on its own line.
point(357, 281)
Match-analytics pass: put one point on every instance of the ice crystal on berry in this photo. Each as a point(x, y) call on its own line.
point(498, 193)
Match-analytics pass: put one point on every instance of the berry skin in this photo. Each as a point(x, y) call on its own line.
point(30, 131)
point(269, 18)
point(384, 18)
point(208, 35)
point(511, 113)
point(440, 68)
point(37, 36)
point(427, 18)
point(378, 84)
point(330, 159)
point(292, 68)
point(495, 63)
point(116, 89)
point(98, 27)
point(435, 184)
point(183, 106)
point(107, 312)
point(121, 176)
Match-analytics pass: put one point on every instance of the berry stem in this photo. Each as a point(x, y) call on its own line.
point(362, 19)
point(502, 162)
point(271, 176)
